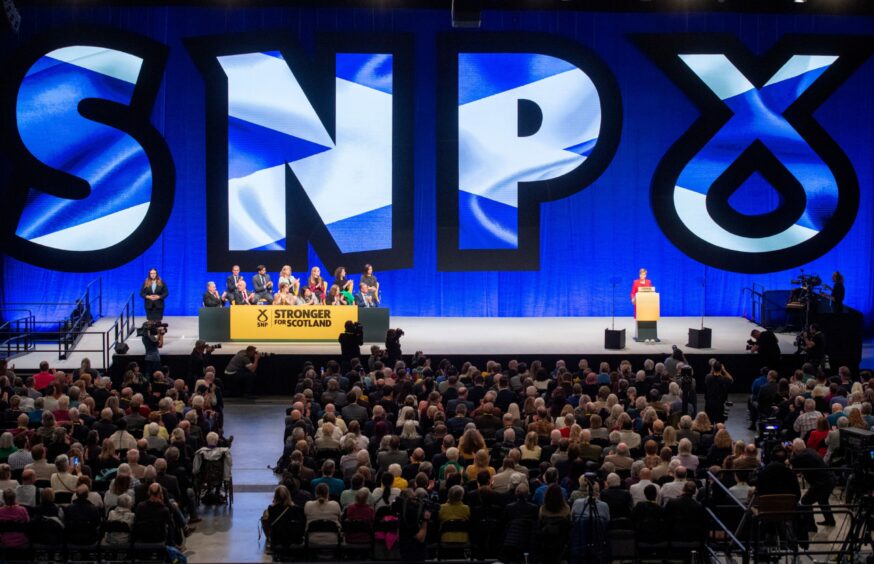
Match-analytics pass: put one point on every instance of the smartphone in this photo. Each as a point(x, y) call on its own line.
point(75, 461)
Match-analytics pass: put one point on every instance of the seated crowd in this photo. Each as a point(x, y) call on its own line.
point(521, 459)
point(290, 291)
point(84, 464)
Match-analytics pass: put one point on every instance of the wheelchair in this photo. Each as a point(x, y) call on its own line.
point(210, 485)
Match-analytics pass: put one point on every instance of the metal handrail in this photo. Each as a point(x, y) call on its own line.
point(722, 526)
point(756, 303)
point(13, 344)
point(122, 328)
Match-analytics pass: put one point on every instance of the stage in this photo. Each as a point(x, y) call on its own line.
point(527, 336)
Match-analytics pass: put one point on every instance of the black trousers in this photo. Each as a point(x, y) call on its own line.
point(820, 493)
point(240, 383)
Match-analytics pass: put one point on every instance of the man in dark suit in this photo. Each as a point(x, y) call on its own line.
point(242, 296)
point(167, 481)
point(152, 518)
point(686, 516)
point(82, 518)
point(364, 298)
point(262, 284)
point(231, 284)
point(617, 499)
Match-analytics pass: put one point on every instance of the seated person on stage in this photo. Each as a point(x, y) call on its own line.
point(341, 281)
point(284, 297)
point(347, 296)
point(316, 284)
point(335, 297)
point(243, 296)
point(262, 284)
point(212, 298)
point(368, 278)
point(286, 276)
point(364, 297)
point(308, 298)
point(231, 284)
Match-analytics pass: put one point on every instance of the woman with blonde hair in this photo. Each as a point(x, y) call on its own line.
point(612, 422)
point(669, 438)
point(513, 409)
point(480, 464)
point(317, 284)
point(702, 423)
point(530, 449)
point(286, 276)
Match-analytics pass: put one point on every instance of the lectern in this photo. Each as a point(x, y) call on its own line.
point(647, 304)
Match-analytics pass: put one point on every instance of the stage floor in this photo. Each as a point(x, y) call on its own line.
point(442, 336)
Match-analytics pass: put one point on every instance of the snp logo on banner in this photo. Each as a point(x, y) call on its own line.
point(315, 151)
point(94, 181)
point(756, 184)
point(518, 128)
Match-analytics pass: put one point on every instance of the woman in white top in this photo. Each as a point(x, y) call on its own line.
point(322, 509)
point(286, 276)
point(62, 480)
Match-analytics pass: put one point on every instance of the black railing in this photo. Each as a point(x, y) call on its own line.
point(123, 327)
point(753, 299)
point(16, 335)
point(25, 334)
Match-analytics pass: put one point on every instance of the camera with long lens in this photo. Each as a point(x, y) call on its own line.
point(152, 328)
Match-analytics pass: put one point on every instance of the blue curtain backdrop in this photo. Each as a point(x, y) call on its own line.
point(607, 230)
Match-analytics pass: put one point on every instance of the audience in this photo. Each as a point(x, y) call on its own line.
point(533, 452)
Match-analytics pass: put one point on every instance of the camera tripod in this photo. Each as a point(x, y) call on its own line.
point(860, 532)
point(595, 548)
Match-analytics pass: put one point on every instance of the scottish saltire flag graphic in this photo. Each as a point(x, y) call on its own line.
point(113, 163)
point(494, 156)
point(758, 115)
point(271, 122)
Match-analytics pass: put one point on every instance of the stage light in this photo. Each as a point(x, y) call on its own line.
point(800, 1)
point(467, 13)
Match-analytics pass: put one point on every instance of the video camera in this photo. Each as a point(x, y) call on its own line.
point(152, 328)
point(859, 445)
point(750, 344)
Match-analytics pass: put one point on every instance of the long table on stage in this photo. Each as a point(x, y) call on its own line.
point(290, 324)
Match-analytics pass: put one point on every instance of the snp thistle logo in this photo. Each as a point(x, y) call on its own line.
point(756, 184)
point(262, 318)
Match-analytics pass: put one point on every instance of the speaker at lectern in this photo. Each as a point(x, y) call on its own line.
point(648, 311)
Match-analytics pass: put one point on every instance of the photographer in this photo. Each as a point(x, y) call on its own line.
point(812, 343)
point(152, 333)
point(393, 346)
point(199, 359)
point(765, 344)
point(351, 341)
point(716, 392)
point(240, 371)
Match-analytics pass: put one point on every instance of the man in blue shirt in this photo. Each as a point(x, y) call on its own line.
point(335, 485)
point(549, 477)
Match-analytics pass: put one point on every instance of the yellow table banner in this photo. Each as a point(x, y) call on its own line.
point(290, 323)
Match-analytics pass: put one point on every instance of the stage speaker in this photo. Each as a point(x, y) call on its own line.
point(614, 339)
point(122, 348)
point(700, 338)
point(467, 13)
